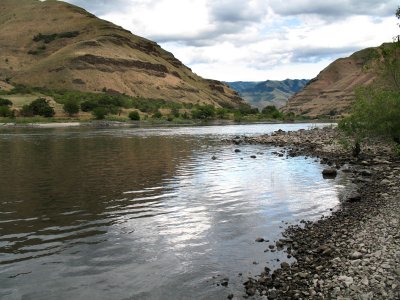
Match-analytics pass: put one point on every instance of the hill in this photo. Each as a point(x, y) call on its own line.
point(332, 92)
point(56, 45)
point(270, 92)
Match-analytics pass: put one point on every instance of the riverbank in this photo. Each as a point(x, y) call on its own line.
point(355, 252)
point(145, 123)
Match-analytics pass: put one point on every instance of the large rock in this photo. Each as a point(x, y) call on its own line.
point(329, 172)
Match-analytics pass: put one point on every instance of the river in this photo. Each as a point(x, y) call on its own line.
point(146, 213)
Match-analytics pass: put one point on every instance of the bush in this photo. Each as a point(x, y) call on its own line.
point(26, 111)
point(175, 112)
point(272, 112)
point(5, 111)
point(134, 116)
point(48, 38)
point(246, 109)
point(89, 105)
point(41, 107)
point(71, 108)
point(222, 113)
point(99, 113)
point(375, 114)
point(157, 115)
point(203, 112)
point(5, 102)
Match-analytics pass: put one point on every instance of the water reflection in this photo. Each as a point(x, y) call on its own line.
point(114, 214)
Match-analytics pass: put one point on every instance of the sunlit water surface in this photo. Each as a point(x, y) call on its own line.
point(145, 213)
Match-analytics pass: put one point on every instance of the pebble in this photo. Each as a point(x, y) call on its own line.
point(355, 253)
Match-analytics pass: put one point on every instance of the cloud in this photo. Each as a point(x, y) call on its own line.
point(233, 11)
point(254, 39)
point(101, 7)
point(337, 8)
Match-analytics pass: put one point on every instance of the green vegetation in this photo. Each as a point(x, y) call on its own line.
point(134, 115)
point(71, 107)
point(157, 115)
point(203, 112)
point(5, 102)
point(5, 112)
point(272, 112)
point(376, 112)
point(39, 107)
point(99, 113)
point(48, 38)
point(118, 107)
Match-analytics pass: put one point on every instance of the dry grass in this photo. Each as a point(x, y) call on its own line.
point(55, 67)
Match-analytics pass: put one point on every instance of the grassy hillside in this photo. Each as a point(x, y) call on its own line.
point(56, 45)
point(332, 92)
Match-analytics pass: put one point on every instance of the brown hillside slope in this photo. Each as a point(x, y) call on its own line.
point(332, 92)
point(78, 51)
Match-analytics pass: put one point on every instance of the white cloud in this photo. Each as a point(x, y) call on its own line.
point(255, 39)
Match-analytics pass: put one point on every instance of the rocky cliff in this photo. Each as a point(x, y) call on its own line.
point(56, 45)
point(332, 92)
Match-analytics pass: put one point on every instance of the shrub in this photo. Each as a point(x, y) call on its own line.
point(5, 102)
point(157, 115)
point(99, 113)
point(134, 116)
point(375, 114)
point(246, 109)
point(71, 107)
point(203, 112)
point(48, 38)
point(175, 112)
point(89, 105)
point(26, 111)
point(41, 107)
point(272, 112)
point(221, 113)
point(5, 111)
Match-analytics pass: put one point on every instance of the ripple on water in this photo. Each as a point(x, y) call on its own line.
point(145, 213)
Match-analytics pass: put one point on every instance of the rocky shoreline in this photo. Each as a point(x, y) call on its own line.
point(355, 252)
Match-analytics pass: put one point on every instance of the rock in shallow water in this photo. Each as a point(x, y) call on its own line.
point(329, 172)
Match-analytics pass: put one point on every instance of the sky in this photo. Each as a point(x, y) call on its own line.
point(254, 40)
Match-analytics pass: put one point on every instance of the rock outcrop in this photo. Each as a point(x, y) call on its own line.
point(332, 92)
point(56, 45)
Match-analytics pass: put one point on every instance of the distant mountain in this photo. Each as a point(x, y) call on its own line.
point(270, 92)
point(332, 92)
point(57, 45)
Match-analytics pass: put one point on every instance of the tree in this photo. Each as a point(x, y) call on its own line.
point(134, 115)
point(271, 111)
point(99, 113)
point(157, 115)
point(71, 107)
point(203, 112)
point(5, 111)
point(5, 102)
point(26, 111)
point(41, 107)
point(375, 114)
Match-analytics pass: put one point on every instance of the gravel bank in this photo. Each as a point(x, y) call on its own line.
point(353, 254)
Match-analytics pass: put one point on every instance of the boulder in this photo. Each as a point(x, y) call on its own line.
point(329, 172)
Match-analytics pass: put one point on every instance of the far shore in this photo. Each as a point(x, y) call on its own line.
point(146, 123)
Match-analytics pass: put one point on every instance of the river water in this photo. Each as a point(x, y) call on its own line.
point(145, 213)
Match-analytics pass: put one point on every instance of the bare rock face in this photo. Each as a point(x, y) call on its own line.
point(57, 45)
point(332, 92)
